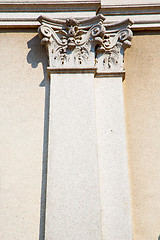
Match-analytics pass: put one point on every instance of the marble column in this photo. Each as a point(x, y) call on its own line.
point(87, 181)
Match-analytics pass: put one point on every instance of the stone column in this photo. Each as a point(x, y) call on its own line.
point(87, 181)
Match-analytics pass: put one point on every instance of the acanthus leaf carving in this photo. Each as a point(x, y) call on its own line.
point(72, 44)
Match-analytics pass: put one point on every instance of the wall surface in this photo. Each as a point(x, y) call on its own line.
point(22, 134)
point(142, 105)
point(23, 140)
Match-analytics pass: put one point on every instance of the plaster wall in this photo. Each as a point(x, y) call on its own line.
point(24, 95)
point(23, 112)
point(142, 107)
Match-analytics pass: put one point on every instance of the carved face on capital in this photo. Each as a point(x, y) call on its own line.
point(71, 42)
point(72, 31)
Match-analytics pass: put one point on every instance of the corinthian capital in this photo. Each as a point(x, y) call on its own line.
point(87, 43)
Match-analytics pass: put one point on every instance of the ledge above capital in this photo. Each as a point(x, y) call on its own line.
point(85, 43)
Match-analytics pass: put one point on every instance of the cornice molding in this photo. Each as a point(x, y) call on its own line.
point(144, 16)
point(125, 9)
point(45, 6)
point(85, 44)
point(25, 14)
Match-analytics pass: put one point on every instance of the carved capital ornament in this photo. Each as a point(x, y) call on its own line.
point(87, 43)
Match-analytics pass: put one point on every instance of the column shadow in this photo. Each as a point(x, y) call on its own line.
point(36, 55)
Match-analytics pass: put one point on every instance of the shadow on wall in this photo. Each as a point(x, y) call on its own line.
point(36, 55)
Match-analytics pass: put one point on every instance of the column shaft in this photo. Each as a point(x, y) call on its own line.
point(73, 205)
point(113, 168)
